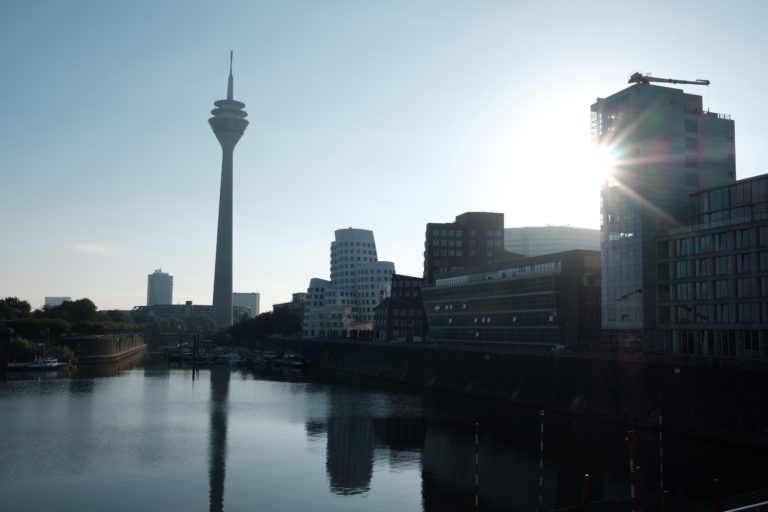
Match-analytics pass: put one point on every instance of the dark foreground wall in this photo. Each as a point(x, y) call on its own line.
point(703, 399)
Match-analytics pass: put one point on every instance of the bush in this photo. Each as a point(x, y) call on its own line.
point(62, 353)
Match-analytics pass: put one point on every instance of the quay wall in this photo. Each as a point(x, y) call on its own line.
point(104, 349)
point(709, 398)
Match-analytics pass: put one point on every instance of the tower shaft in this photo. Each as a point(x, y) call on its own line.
point(222, 278)
point(228, 123)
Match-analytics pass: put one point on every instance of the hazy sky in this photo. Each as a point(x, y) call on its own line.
point(382, 115)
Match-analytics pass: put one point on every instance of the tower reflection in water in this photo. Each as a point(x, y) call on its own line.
point(217, 452)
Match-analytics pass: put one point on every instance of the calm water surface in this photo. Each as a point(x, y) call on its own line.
point(155, 438)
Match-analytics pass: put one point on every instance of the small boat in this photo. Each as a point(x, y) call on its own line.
point(39, 364)
point(293, 361)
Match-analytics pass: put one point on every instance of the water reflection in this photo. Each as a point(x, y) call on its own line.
point(217, 454)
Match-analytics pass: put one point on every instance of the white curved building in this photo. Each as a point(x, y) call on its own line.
point(359, 282)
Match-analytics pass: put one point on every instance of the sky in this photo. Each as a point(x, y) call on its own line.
point(382, 115)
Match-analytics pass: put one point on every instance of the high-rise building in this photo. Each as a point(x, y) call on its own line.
point(359, 282)
point(248, 301)
point(665, 146)
point(56, 301)
point(538, 240)
point(159, 288)
point(475, 238)
point(228, 123)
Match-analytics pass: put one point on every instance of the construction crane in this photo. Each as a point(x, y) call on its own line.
point(637, 78)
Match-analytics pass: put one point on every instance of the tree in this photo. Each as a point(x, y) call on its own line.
point(12, 308)
point(35, 327)
point(21, 350)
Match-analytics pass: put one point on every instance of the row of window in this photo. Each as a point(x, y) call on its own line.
point(717, 266)
point(749, 312)
point(720, 289)
point(459, 233)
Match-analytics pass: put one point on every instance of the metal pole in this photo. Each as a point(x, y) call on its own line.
point(477, 465)
point(631, 442)
point(661, 457)
point(541, 459)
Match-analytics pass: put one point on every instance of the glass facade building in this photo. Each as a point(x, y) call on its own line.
point(713, 276)
point(664, 147)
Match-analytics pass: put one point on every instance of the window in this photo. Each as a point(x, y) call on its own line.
point(691, 126)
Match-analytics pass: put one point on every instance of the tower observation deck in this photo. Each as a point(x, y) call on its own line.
point(228, 124)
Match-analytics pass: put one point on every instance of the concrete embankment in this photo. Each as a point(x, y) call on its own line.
point(104, 349)
point(722, 400)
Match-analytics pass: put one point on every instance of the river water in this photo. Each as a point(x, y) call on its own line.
point(154, 437)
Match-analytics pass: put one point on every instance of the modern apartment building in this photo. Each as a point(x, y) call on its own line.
point(538, 240)
point(665, 146)
point(474, 238)
point(359, 282)
point(159, 288)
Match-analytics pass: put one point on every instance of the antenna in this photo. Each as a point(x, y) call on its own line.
point(231, 53)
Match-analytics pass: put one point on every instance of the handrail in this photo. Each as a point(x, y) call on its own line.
point(748, 507)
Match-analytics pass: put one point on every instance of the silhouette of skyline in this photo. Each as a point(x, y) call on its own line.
point(356, 109)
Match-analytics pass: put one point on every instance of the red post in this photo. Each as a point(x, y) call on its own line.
point(631, 444)
point(717, 498)
point(586, 494)
point(665, 501)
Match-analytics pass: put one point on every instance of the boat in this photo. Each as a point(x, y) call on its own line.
point(292, 361)
point(39, 364)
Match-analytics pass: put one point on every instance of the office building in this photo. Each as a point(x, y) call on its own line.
point(228, 124)
point(665, 146)
point(249, 302)
point(539, 302)
point(159, 288)
point(295, 306)
point(474, 238)
point(401, 317)
point(538, 240)
point(713, 275)
point(51, 302)
point(186, 310)
point(345, 305)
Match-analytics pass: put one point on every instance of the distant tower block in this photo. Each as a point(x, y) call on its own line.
point(228, 123)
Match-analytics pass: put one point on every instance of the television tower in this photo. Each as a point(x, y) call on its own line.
point(228, 123)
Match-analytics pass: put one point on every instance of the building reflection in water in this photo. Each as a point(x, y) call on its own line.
point(217, 453)
point(354, 429)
